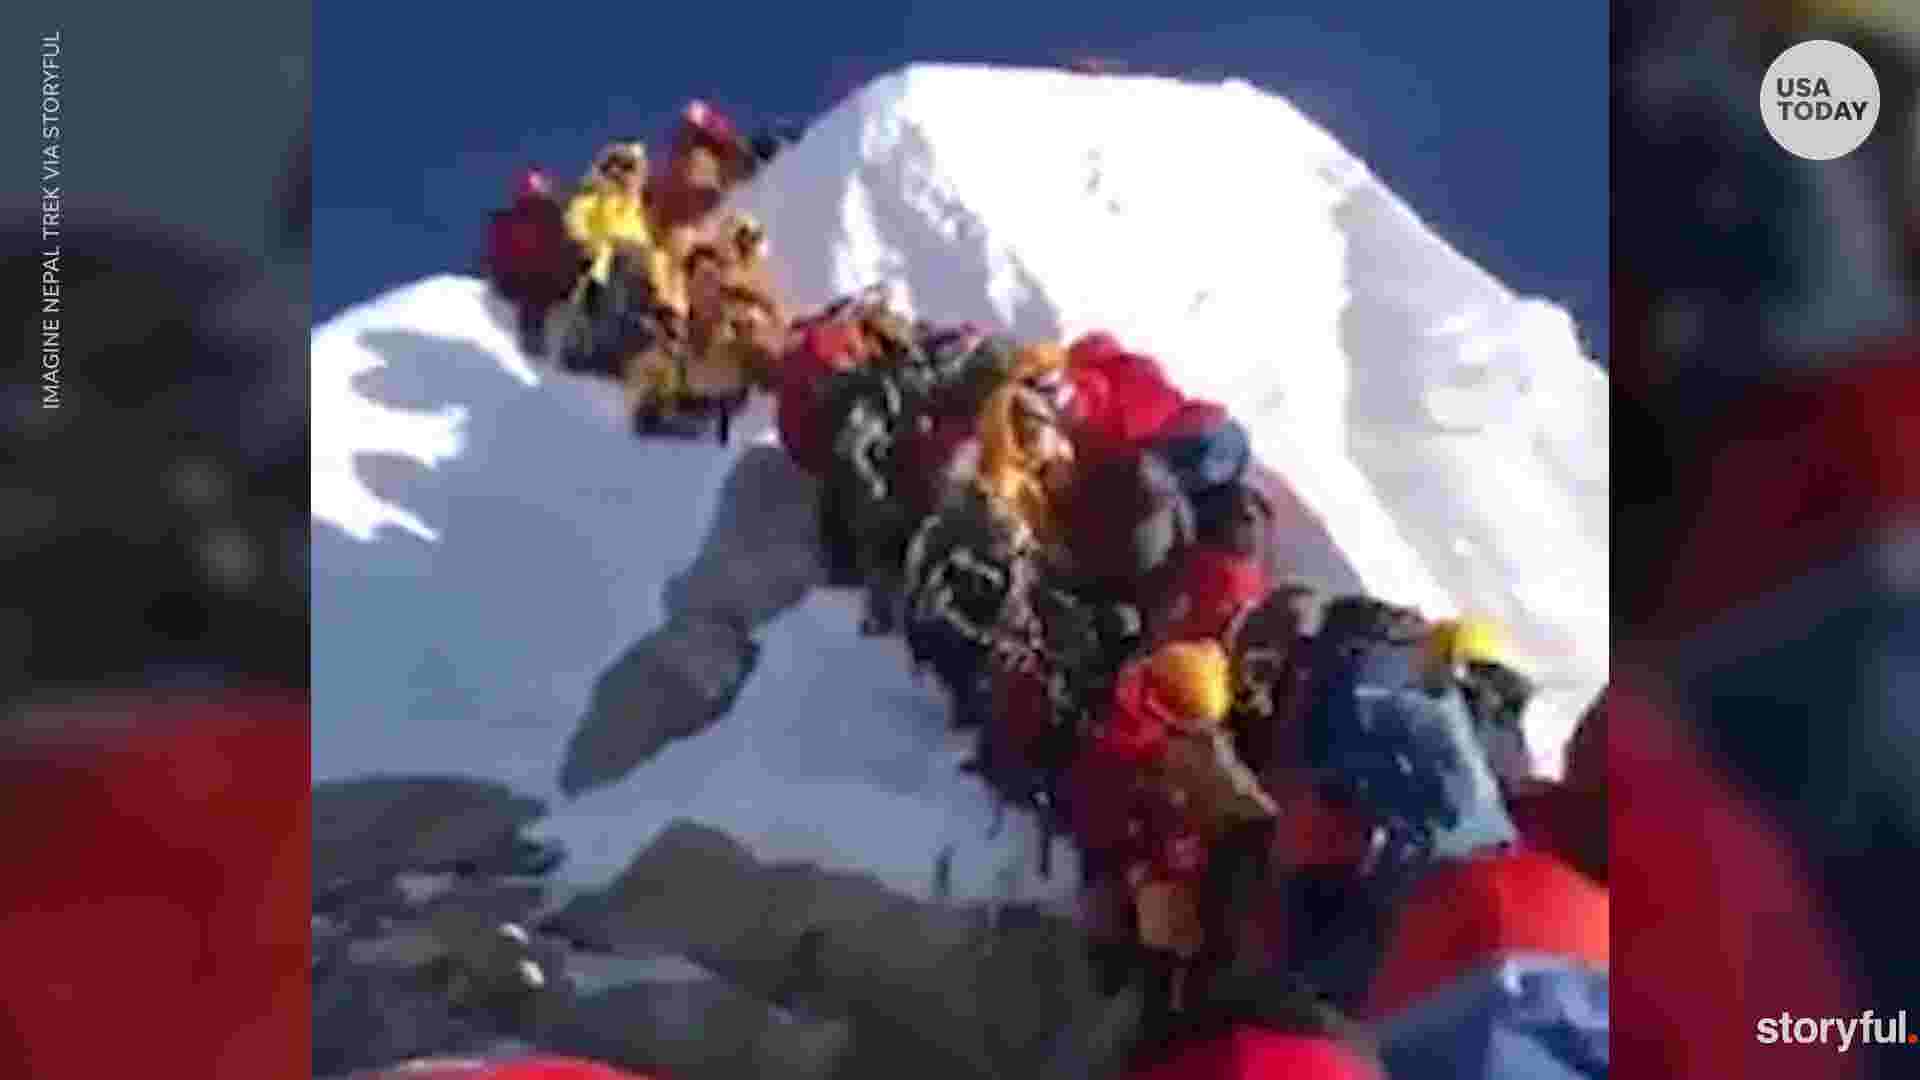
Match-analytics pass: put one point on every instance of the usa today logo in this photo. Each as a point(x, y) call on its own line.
point(1820, 100)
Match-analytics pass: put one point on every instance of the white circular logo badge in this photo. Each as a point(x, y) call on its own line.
point(1820, 100)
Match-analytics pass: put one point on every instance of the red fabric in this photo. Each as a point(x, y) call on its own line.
point(1174, 849)
point(1208, 589)
point(530, 241)
point(1022, 712)
point(1194, 418)
point(1586, 753)
point(1804, 471)
point(1252, 1053)
point(1464, 915)
point(531, 258)
point(922, 460)
point(1135, 733)
point(1567, 822)
point(535, 1068)
point(830, 345)
point(516, 242)
point(164, 889)
point(1091, 393)
point(1310, 832)
point(1124, 397)
point(1136, 367)
point(800, 414)
point(1101, 351)
point(1721, 922)
point(1091, 348)
point(1099, 794)
point(1141, 403)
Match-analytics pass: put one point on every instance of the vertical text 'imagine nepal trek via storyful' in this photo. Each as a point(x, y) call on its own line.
point(50, 207)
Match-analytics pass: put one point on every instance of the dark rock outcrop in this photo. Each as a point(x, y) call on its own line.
point(427, 942)
point(961, 991)
point(371, 830)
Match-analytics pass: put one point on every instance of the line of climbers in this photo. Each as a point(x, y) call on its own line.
point(1266, 786)
point(634, 274)
point(1259, 779)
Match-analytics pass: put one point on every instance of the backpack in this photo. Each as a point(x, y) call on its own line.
point(1206, 590)
point(958, 370)
point(1125, 517)
point(1406, 753)
point(1204, 448)
point(594, 333)
point(1237, 517)
point(876, 409)
point(1041, 714)
point(1027, 744)
point(529, 257)
point(819, 346)
point(816, 350)
point(961, 572)
point(931, 459)
point(1265, 643)
point(1086, 637)
point(862, 410)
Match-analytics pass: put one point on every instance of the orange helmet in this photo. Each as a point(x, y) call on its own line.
point(1194, 680)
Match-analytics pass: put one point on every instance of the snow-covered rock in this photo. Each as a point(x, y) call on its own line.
point(489, 540)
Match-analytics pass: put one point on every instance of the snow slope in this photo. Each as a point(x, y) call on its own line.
point(488, 538)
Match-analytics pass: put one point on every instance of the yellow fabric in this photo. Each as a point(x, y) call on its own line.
point(603, 219)
point(1009, 472)
point(1194, 679)
point(1453, 643)
point(736, 326)
point(1038, 359)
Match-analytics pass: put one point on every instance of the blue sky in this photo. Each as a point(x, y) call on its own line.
point(1490, 119)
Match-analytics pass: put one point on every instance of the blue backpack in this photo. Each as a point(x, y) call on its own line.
point(1207, 460)
point(1406, 752)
